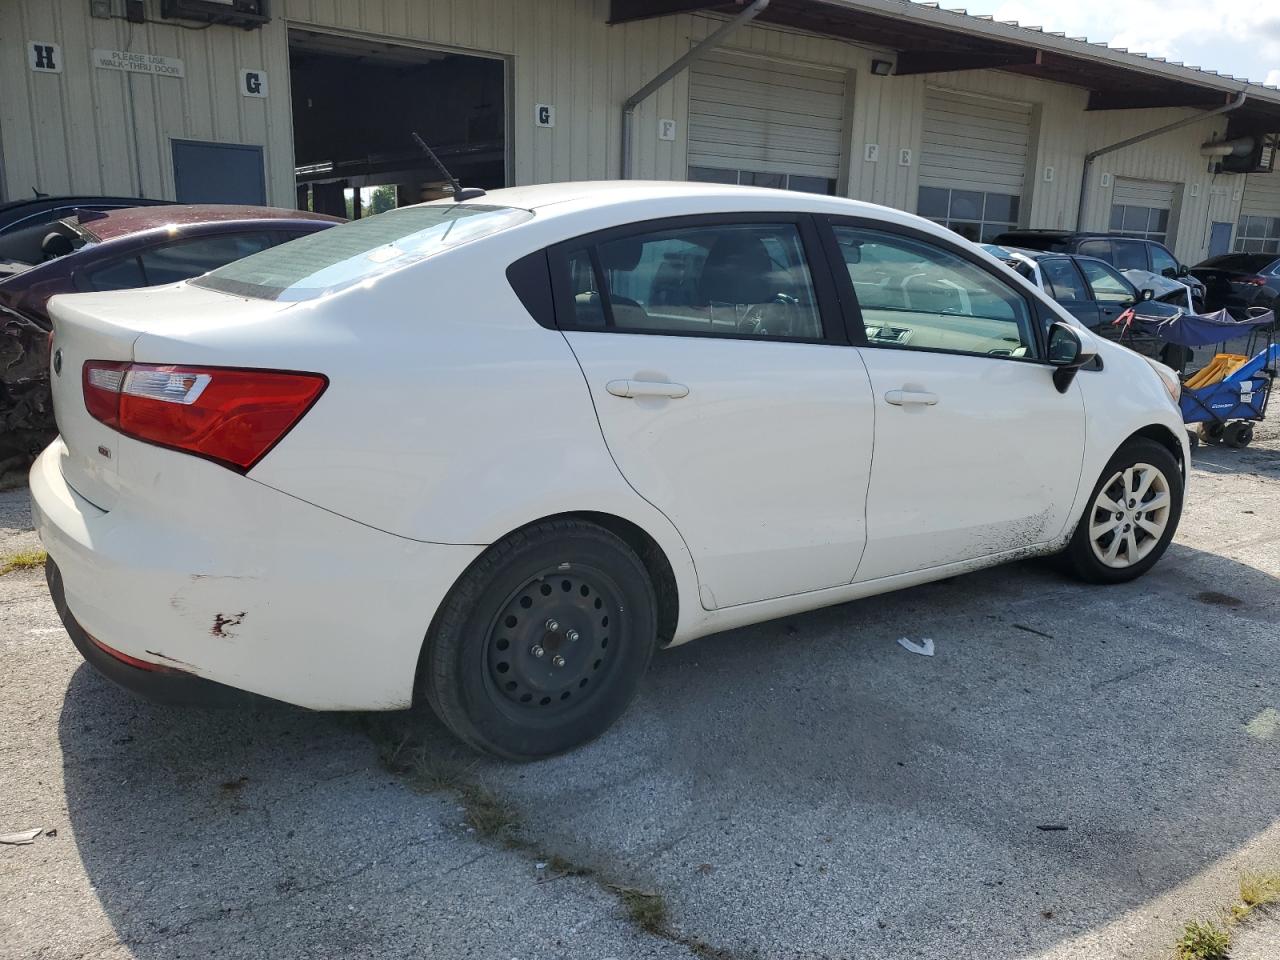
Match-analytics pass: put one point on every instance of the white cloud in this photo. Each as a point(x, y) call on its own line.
point(1222, 35)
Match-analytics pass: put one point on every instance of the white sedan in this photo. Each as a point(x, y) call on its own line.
point(494, 453)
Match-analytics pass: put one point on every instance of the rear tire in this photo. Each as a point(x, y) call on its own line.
point(1238, 434)
point(1120, 538)
point(542, 643)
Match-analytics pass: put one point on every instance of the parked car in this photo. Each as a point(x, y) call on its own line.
point(107, 250)
point(1123, 253)
point(555, 428)
point(17, 214)
point(1097, 295)
point(1237, 281)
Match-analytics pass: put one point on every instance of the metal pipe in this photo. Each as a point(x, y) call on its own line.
point(1235, 104)
point(701, 48)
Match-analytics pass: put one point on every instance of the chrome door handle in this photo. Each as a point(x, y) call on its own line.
point(901, 398)
point(647, 388)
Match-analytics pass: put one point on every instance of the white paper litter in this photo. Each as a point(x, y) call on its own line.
point(924, 647)
point(26, 836)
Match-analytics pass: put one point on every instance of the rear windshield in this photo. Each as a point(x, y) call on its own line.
point(334, 259)
point(1244, 262)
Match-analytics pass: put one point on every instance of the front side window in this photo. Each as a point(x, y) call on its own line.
point(916, 295)
point(1107, 285)
point(973, 214)
point(1163, 262)
point(735, 279)
point(1062, 281)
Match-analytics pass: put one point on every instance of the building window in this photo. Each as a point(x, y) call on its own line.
point(1258, 235)
point(975, 215)
point(750, 178)
point(1145, 223)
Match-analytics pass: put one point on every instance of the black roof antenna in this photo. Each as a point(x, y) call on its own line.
point(459, 191)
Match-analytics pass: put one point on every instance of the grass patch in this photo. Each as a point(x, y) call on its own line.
point(23, 560)
point(1256, 890)
point(1204, 941)
point(489, 815)
point(646, 910)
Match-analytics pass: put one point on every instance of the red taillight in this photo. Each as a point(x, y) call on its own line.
point(229, 415)
point(1253, 281)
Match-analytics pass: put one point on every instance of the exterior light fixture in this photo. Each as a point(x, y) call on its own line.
point(882, 68)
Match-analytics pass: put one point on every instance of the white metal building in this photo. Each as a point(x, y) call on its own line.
point(978, 124)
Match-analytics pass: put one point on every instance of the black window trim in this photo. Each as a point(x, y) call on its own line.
point(830, 311)
point(1040, 315)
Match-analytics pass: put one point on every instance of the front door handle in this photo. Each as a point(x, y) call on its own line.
point(902, 398)
point(647, 388)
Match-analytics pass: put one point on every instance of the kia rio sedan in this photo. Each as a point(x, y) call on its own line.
point(492, 454)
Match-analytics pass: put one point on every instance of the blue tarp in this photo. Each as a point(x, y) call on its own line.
point(1199, 330)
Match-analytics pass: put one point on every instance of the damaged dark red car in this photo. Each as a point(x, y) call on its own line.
point(107, 250)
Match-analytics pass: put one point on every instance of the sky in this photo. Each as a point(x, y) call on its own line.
point(1239, 37)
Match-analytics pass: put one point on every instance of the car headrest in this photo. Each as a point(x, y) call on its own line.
point(738, 270)
point(55, 244)
point(621, 254)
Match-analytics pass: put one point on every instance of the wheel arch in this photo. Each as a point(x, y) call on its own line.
point(1162, 435)
point(651, 553)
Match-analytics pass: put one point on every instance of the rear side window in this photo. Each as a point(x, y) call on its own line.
point(1096, 248)
point(350, 253)
point(734, 279)
point(1129, 255)
point(122, 274)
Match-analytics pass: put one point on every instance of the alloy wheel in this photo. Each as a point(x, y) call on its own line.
point(1129, 515)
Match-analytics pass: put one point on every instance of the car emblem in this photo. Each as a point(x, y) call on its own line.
point(57, 362)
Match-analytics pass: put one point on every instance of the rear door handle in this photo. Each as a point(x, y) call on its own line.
point(647, 388)
point(901, 398)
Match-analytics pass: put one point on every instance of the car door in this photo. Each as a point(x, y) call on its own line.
point(1111, 291)
point(1063, 282)
point(976, 452)
point(727, 394)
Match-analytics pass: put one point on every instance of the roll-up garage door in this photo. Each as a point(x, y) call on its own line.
point(973, 162)
point(760, 122)
point(1142, 208)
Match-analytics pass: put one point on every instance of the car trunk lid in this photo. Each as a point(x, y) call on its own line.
point(105, 327)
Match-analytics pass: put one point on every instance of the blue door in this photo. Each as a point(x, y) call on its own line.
point(1220, 239)
point(218, 172)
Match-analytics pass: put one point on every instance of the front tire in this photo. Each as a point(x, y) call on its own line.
point(1130, 518)
point(541, 644)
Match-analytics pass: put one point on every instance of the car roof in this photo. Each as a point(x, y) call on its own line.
point(110, 224)
point(1073, 235)
point(72, 199)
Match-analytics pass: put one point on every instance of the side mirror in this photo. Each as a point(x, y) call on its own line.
point(1067, 354)
point(1145, 294)
point(1183, 270)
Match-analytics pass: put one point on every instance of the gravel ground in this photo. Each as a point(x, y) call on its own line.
point(798, 789)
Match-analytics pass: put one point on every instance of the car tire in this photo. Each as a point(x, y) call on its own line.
point(1144, 534)
point(542, 643)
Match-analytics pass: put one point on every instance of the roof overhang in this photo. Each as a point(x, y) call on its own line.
point(927, 39)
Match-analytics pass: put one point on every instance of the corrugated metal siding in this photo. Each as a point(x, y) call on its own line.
point(1261, 195)
point(757, 115)
point(89, 130)
point(974, 143)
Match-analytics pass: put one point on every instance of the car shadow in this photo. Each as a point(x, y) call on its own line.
point(804, 787)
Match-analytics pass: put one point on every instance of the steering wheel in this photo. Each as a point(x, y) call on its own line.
point(753, 323)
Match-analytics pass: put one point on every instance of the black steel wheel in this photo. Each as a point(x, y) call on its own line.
point(541, 644)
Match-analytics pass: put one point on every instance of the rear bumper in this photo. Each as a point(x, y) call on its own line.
point(237, 584)
point(161, 684)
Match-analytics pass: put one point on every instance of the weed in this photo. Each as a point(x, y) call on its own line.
point(23, 560)
point(492, 817)
point(1259, 889)
point(561, 867)
point(1204, 941)
point(648, 911)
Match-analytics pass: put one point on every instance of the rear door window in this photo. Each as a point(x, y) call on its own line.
point(123, 273)
point(1096, 248)
point(1062, 281)
point(723, 279)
